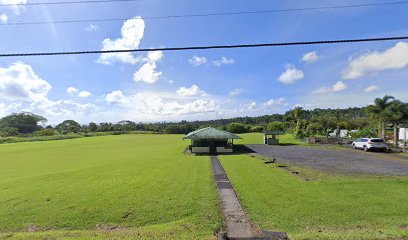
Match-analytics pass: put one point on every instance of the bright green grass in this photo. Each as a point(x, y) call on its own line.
point(257, 138)
point(335, 207)
point(143, 184)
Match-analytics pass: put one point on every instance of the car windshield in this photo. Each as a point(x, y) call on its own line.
point(376, 140)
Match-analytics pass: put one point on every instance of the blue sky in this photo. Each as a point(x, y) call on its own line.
point(194, 85)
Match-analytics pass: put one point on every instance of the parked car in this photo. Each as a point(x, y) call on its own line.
point(368, 144)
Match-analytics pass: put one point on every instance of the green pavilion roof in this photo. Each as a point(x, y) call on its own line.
point(210, 133)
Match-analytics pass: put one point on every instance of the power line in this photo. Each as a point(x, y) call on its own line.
point(203, 14)
point(207, 47)
point(64, 2)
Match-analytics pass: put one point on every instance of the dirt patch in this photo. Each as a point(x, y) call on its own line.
point(33, 228)
point(332, 160)
point(105, 227)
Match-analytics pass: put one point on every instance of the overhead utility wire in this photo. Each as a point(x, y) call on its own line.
point(207, 47)
point(207, 14)
point(64, 2)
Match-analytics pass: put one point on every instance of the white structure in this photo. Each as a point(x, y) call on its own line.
point(343, 133)
point(403, 134)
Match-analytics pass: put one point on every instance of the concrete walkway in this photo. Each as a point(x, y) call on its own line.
point(238, 226)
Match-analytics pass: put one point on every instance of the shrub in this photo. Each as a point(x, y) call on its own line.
point(276, 126)
point(256, 129)
point(45, 132)
point(238, 128)
point(8, 132)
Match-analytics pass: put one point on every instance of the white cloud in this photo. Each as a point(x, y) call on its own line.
point(154, 56)
point(371, 88)
point(84, 94)
point(92, 27)
point(275, 102)
point(115, 97)
point(192, 91)
point(3, 18)
point(147, 73)
point(153, 105)
point(393, 58)
point(310, 57)
point(61, 108)
point(223, 61)
point(23, 90)
point(197, 61)
point(291, 75)
point(247, 107)
point(19, 82)
point(236, 92)
point(337, 87)
point(131, 33)
point(72, 90)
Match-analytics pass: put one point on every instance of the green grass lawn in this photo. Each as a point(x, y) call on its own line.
point(118, 187)
point(257, 138)
point(333, 207)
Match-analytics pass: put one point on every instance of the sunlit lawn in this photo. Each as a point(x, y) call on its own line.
point(331, 207)
point(257, 138)
point(107, 187)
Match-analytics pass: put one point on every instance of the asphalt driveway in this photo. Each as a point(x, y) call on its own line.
point(335, 159)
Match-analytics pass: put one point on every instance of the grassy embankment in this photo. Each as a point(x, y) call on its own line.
point(128, 186)
point(328, 207)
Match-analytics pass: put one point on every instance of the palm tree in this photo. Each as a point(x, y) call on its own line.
point(378, 111)
point(397, 113)
point(297, 115)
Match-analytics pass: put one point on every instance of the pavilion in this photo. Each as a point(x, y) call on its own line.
point(211, 140)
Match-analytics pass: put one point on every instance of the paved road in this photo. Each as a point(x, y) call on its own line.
point(335, 159)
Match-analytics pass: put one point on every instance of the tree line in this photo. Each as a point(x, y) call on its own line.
point(370, 121)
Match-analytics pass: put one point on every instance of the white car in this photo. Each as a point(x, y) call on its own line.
point(368, 144)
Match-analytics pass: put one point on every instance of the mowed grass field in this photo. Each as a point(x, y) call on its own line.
point(257, 138)
point(128, 186)
point(325, 207)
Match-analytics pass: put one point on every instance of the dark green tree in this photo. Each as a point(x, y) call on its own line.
point(68, 126)
point(92, 127)
point(25, 122)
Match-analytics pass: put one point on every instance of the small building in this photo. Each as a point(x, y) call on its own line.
point(211, 140)
point(272, 137)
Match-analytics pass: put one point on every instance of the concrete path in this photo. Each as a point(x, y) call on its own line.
point(238, 226)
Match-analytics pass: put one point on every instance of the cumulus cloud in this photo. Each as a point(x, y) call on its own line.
point(72, 90)
point(147, 72)
point(84, 94)
point(274, 102)
point(197, 61)
point(291, 75)
point(24, 90)
point(154, 105)
point(131, 33)
point(223, 61)
point(371, 88)
point(236, 92)
point(19, 82)
point(310, 57)
point(247, 107)
point(191, 91)
point(393, 58)
point(337, 87)
point(61, 108)
point(115, 97)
